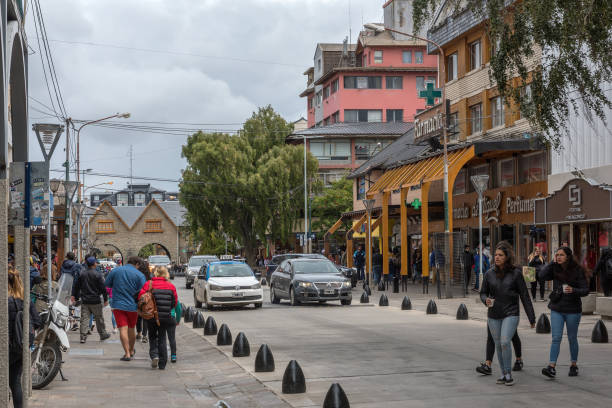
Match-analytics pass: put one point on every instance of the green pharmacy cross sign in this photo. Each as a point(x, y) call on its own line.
point(416, 203)
point(430, 93)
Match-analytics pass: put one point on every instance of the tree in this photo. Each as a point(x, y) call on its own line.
point(212, 242)
point(247, 185)
point(574, 37)
point(335, 200)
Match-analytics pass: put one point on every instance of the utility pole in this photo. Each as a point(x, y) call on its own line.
point(67, 228)
point(131, 168)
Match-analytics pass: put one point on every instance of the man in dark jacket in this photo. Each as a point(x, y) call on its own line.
point(88, 289)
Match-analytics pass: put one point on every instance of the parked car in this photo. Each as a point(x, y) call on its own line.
point(306, 279)
point(107, 263)
point(161, 260)
point(226, 283)
point(196, 263)
point(277, 259)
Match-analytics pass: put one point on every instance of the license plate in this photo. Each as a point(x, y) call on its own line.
point(329, 291)
point(237, 294)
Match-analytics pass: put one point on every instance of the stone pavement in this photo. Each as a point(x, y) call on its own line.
point(201, 377)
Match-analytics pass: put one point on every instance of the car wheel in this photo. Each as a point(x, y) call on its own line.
point(322, 301)
point(346, 302)
point(258, 305)
point(207, 305)
point(198, 304)
point(273, 298)
point(293, 300)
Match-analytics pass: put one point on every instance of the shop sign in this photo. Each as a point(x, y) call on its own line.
point(428, 127)
point(491, 208)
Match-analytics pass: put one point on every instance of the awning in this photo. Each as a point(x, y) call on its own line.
point(412, 174)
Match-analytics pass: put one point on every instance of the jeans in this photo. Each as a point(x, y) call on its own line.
point(502, 331)
point(476, 279)
point(557, 320)
point(141, 326)
point(157, 341)
point(171, 331)
point(15, 383)
point(516, 342)
point(360, 272)
point(377, 269)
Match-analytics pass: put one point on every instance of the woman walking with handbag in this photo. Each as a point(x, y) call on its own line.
point(536, 260)
point(502, 286)
point(569, 285)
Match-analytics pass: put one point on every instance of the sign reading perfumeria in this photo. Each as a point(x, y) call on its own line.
point(491, 207)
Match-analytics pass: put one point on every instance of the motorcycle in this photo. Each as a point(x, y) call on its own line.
point(52, 340)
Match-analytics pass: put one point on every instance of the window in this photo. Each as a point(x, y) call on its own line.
point(319, 96)
point(459, 187)
point(334, 85)
point(326, 92)
point(532, 167)
point(157, 196)
point(418, 57)
point(378, 57)
point(153, 226)
point(526, 95)
point(331, 150)
point(395, 82)
point(366, 148)
point(105, 227)
point(335, 117)
point(431, 79)
point(407, 57)
point(483, 169)
point(451, 67)
point(476, 118)
point(123, 200)
point(140, 199)
point(310, 102)
point(365, 60)
point(395, 115)
point(362, 115)
point(420, 83)
point(505, 172)
point(366, 82)
point(497, 111)
point(453, 131)
point(475, 60)
point(361, 188)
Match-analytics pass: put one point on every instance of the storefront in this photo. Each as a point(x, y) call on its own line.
point(580, 216)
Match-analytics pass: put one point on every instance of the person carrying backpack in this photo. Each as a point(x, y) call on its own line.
point(15, 312)
point(604, 268)
point(164, 299)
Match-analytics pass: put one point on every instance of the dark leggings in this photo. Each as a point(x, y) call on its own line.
point(171, 330)
point(516, 342)
point(534, 285)
point(15, 383)
point(141, 326)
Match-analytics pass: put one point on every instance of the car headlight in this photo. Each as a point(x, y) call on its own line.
point(215, 287)
point(256, 286)
point(305, 284)
point(346, 284)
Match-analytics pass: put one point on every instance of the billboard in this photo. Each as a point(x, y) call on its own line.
point(29, 194)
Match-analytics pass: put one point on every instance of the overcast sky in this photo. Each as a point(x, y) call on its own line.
point(277, 38)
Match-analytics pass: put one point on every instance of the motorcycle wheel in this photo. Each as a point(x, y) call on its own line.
point(48, 366)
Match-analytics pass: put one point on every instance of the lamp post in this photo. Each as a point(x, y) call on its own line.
point(70, 188)
point(480, 184)
point(369, 206)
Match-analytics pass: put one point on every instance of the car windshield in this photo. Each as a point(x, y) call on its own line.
point(230, 270)
point(314, 267)
point(199, 261)
point(159, 260)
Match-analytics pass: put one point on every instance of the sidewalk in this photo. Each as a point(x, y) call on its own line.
point(201, 377)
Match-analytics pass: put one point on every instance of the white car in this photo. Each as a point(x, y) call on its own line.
point(227, 283)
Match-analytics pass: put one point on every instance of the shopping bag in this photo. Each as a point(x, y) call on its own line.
point(529, 274)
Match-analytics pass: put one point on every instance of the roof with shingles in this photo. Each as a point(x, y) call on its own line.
point(356, 129)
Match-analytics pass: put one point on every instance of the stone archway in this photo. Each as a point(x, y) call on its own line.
point(162, 246)
point(18, 95)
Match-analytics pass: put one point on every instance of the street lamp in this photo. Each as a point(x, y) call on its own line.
point(369, 206)
point(480, 184)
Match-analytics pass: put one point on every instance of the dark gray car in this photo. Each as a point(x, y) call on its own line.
point(309, 280)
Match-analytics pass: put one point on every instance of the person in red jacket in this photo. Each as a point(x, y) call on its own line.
point(166, 299)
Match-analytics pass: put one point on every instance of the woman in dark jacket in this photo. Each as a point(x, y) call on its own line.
point(569, 285)
point(605, 271)
point(15, 304)
point(166, 299)
point(536, 260)
point(501, 288)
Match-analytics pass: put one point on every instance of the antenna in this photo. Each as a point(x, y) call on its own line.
point(350, 26)
point(131, 153)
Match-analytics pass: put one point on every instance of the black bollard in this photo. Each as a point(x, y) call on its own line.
point(368, 290)
point(210, 327)
point(198, 321)
point(364, 298)
point(396, 283)
point(264, 361)
point(224, 337)
point(600, 333)
point(462, 312)
point(543, 325)
point(241, 346)
point(381, 285)
point(383, 300)
point(190, 314)
point(432, 308)
point(406, 304)
point(293, 379)
point(336, 398)
point(263, 282)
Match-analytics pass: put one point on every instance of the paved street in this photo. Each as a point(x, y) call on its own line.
point(378, 355)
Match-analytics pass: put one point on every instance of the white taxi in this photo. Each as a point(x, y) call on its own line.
point(227, 283)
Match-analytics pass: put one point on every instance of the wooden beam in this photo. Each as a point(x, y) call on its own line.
point(384, 236)
point(404, 231)
point(425, 228)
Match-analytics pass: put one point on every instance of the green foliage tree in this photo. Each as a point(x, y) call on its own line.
point(327, 207)
point(247, 185)
point(575, 39)
point(212, 242)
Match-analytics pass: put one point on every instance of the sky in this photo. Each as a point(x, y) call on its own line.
point(205, 62)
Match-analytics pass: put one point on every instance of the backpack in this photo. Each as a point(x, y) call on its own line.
point(16, 343)
point(147, 309)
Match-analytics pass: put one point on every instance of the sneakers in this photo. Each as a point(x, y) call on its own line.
point(509, 380)
point(518, 365)
point(145, 339)
point(173, 358)
point(154, 362)
point(104, 336)
point(573, 371)
point(484, 369)
point(550, 372)
point(115, 330)
point(501, 380)
point(83, 339)
point(138, 336)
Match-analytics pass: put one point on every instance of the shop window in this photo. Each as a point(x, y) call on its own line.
point(153, 226)
point(505, 173)
point(407, 57)
point(459, 187)
point(532, 167)
point(105, 227)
